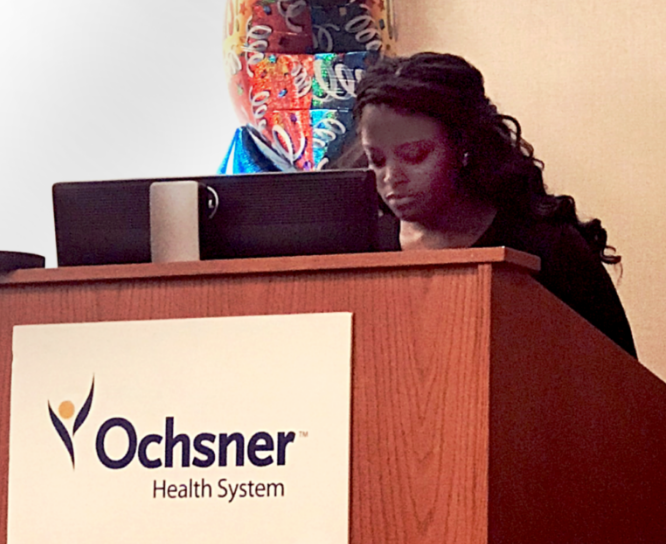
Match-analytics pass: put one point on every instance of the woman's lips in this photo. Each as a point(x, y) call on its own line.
point(398, 198)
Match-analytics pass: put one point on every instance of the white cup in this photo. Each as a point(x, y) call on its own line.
point(174, 221)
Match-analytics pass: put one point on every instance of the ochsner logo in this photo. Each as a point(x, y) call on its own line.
point(168, 446)
point(66, 411)
point(155, 450)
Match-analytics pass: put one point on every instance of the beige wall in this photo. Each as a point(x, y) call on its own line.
point(587, 80)
point(104, 90)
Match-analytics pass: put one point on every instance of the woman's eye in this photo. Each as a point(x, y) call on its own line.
point(415, 157)
point(376, 161)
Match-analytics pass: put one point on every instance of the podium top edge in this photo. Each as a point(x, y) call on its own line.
point(307, 263)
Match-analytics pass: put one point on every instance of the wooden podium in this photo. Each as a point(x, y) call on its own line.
point(483, 409)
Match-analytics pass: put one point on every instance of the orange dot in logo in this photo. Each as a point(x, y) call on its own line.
point(66, 409)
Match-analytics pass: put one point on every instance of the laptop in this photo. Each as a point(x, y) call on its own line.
point(250, 215)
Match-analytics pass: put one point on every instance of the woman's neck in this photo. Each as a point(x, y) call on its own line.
point(460, 228)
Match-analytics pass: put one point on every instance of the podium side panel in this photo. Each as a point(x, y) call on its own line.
point(577, 427)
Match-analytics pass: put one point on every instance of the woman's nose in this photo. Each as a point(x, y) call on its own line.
point(393, 174)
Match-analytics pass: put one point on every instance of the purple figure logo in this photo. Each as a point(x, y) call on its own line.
point(66, 410)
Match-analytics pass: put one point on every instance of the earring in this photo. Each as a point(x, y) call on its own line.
point(465, 158)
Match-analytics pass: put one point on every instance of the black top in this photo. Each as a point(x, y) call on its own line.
point(569, 269)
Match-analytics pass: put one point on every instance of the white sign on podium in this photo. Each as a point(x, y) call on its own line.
point(232, 429)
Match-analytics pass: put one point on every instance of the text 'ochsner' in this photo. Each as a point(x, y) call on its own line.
point(261, 449)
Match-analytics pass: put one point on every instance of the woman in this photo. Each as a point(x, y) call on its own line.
point(456, 173)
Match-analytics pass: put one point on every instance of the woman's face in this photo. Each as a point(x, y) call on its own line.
point(414, 162)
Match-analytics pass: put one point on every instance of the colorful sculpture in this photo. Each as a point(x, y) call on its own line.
point(292, 68)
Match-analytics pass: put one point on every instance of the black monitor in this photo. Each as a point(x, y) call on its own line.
point(249, 215)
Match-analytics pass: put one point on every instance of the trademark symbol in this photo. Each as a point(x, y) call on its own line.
point(303, 434)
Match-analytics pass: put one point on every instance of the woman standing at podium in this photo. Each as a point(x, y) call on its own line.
point(456, 173)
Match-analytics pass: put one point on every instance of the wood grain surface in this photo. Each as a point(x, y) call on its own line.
point(420, 369)
point(483, 408)
point(276, 264)
point(577, 428)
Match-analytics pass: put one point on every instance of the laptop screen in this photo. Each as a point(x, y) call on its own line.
point(249, 215)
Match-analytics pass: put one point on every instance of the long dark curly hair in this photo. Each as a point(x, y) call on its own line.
point(499, 165)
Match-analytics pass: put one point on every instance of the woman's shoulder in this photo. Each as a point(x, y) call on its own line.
point(566, 258)
point(542, 237)
point(570, 269)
